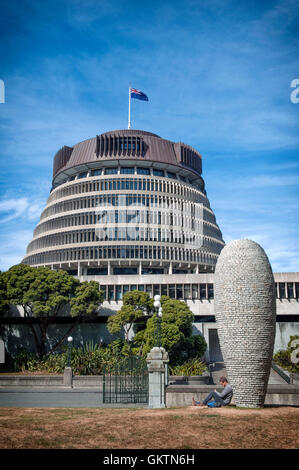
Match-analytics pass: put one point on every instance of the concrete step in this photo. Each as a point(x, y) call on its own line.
point(220, 370)
point(277, 395)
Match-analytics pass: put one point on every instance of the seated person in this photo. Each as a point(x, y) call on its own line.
point(221, 399)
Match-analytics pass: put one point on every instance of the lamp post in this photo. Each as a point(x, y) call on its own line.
point(69, 350)
point(157, 305)
point(68, 373)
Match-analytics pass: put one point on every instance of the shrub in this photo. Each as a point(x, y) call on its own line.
point(192, 367)
point(55, 362)
point(89, 359)
point(20, 362)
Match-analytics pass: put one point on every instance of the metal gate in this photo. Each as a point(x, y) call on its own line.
point(126, 381)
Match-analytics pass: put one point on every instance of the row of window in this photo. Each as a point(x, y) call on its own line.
point(131, 171)
point(115, 216)
point(124, 271)
point(122, 252)
point(135, 184)
point(115, 145)
point(287, 290)
point(187, 291)
point(107, 202)
point(149, 234)
point(174, 291)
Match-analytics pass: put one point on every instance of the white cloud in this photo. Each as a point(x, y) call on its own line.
point(278, 240)
point(18, 217)
point(268, 180)
point(13, 247)
point(21, 208)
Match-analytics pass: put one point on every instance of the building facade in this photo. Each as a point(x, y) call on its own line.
point(130, 210)
point(127, 202)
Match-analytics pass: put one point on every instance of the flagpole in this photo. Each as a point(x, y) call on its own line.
point(129, 119)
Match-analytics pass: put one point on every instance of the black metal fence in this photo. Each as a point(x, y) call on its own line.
point(126, 381)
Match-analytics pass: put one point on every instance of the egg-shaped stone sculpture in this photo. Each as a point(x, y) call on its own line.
point(245, 312)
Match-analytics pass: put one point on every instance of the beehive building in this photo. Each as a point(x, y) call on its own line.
point(127, 202)
point(129, 209)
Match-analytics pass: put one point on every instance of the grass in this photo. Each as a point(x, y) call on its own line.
point(125, 428)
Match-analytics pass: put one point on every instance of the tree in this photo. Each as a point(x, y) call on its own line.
point(170, 335)
point(177, 312)
point(176, 332)
point(4, 304)
point(87, 299)
point(136, 305)
point(3, 295)
point(43, 293)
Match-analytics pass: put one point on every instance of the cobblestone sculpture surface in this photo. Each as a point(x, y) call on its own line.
point(245, 312)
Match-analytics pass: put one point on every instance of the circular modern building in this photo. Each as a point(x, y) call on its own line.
point(127, 202)
point(130, 210)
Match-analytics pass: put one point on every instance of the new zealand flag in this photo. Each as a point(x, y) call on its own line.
point(138, 95)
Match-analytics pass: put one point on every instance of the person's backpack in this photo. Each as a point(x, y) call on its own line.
point(213, 404)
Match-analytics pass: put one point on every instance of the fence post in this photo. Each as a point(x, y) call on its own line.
point(68, 373)
point(157, 361)
point(68, 377)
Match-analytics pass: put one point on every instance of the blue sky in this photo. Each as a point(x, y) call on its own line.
point(217, 74)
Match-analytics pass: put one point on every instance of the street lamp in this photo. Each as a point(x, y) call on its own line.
point(157, 305)
point(69, 350)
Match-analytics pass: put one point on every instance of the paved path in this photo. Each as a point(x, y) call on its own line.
point(45, 397)
point(219, 370)
point(84, 397)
